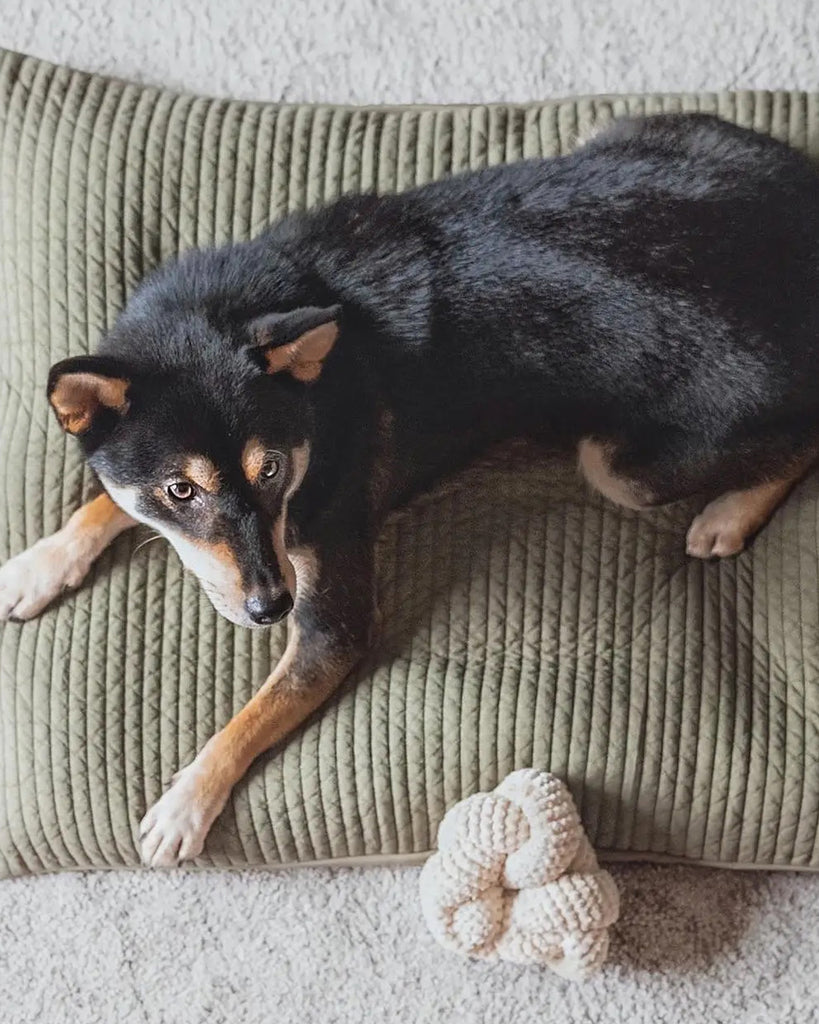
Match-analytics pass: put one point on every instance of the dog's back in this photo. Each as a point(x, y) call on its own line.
point(662, 279)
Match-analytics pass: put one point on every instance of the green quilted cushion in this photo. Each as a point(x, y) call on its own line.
point(526, 622)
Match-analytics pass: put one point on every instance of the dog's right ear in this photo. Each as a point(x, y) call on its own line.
point(297, 342)
point(83, 389)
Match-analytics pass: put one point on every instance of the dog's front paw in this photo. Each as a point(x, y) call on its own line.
point(30, 581)
point(174, 829)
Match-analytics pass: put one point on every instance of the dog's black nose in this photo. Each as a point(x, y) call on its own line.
point(266, 609)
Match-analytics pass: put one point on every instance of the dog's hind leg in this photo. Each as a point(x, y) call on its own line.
point(33, 579)
point(594, 460)
point(771, 465)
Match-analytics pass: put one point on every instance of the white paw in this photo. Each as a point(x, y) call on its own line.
point(33, 579)
point(174, 829)
point(714, 536)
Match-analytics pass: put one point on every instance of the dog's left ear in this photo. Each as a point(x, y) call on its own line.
point(297, 342)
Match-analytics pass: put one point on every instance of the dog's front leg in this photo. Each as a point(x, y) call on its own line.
point(330, 629)
point(30, 581)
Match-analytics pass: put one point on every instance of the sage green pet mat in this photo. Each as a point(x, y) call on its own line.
point(526, 622)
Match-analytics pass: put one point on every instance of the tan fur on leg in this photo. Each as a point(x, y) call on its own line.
point(174, 829)
point(725, 524)
point(594, 460)
point(310, 669)
point(33, 579)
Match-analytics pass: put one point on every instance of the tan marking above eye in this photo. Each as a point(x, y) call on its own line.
point(254, 456)
point(201, 471)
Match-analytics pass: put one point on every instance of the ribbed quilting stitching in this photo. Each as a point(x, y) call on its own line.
point(597, 650)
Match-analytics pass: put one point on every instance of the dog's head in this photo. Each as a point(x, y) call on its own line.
point(205, 435)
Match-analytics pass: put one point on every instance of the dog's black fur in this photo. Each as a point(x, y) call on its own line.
point(656, 290)
point(660, 287)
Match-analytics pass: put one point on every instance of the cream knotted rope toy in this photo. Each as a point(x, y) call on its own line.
point(515, 878)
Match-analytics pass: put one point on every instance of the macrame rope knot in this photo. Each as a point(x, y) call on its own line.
point(515, 878)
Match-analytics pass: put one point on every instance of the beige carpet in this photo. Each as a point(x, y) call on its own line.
point(349, 946)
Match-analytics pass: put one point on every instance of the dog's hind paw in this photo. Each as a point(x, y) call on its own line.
point(174, 829)
point(713, 537)
point(30, 581)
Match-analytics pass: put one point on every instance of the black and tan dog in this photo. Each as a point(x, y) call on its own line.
point(651, 300)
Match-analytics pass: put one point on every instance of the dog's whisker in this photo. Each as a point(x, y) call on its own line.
point(156, 536)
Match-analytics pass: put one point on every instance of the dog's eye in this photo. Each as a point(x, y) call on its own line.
point(270, 468)
point(181, 490)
